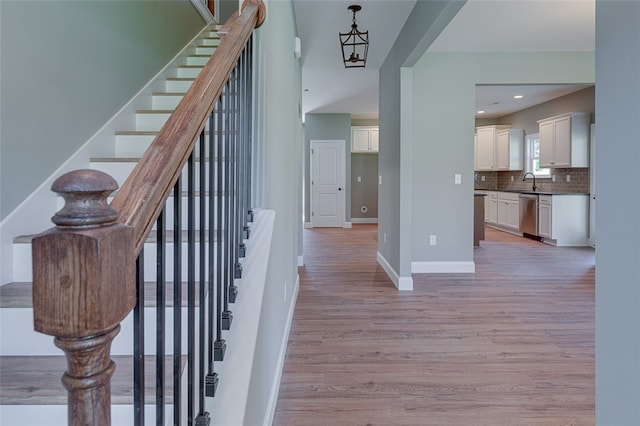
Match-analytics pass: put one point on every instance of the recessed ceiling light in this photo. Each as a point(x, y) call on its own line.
point(518, 97)
point(481, 111)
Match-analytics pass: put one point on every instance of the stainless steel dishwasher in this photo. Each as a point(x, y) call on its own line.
point(529, 215)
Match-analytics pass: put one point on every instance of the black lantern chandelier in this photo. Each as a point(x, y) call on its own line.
point(354, 44)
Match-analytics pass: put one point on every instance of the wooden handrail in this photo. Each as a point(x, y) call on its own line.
point(142, 196)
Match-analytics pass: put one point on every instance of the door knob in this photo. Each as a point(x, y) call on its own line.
point(339, 189)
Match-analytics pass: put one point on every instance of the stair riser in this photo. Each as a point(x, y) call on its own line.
point(134, 146)
point(121, 170)
point(178, 86)
point(210, 42)
point(197, 60)
point(151, 121)
point(20, 339)
point(165, 101)
point(188, 72)
point(205, 50)
point(23, 263)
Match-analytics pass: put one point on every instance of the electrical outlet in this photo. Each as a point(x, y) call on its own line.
point(379, 180)
point(359, 178)
point(511, 178)
point(553, 178)
point(384, 237)
point(568, 178)
point(432, 240)
point(482, 178)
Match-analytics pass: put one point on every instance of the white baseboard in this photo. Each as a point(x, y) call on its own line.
point(443, 267)
point(346, 225)
point(364, 220)
point(401, 283)
point(273, 398)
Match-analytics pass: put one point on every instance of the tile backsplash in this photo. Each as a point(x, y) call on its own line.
point(501, 181)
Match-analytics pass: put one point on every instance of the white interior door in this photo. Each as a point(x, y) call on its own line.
point(327, 183)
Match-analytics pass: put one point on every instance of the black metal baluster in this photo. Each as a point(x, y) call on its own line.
point(177, 298)
point(242, 217)
point(191, 283)
point(138, 344)
point(203, 417)
point(237, 267)
point(220, 344)
point(227, 316)
point(160, 316)
point(249, 126)
point(214, 313)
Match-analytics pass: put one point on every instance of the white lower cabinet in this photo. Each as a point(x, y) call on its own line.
point(544, 216)
point(563, 220)
point(491, 207)
point(508, 210)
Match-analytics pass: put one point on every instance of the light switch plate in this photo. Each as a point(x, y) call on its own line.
point(458, 178)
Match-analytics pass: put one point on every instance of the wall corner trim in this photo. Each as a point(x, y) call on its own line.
point(401, 283)
point(443, 267)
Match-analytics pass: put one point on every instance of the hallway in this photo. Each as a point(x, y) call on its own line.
point(512, 344)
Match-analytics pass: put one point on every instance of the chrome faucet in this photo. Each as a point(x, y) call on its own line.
point(524, 178)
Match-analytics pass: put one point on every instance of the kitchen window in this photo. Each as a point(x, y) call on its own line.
point(532, 148)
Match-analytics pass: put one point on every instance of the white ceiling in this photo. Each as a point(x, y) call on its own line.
point(480, 26)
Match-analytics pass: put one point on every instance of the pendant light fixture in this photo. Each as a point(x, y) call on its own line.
point(354, 44)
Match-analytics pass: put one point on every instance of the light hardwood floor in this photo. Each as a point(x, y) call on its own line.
point(512, 344)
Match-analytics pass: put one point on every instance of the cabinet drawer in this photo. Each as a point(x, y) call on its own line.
point(544, 199)
point(508, 196)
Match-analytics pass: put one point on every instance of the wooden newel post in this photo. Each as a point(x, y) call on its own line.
point(83, 287)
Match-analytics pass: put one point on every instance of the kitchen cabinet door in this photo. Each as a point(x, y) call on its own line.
point(364, 139)
point(485, 144)
point(513, 215)
point(544, 220)
point(547, 144)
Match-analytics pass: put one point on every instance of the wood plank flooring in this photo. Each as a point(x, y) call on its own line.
point(512, 344)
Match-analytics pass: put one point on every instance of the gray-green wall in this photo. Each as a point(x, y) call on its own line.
point(426, 21)
point(280, 134)
point(580, 101)
point(327, 127)
point(618, 228)
point(66, 68)
point(444, 100)
point(365, 192)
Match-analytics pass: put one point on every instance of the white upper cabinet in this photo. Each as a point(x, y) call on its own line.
point(564, 140)
point(510, 149)
point(499, 148)
point(364, 139)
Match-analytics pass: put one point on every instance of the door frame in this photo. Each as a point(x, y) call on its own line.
point(342, 167)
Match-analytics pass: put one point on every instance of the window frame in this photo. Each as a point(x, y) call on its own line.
point(530, 157)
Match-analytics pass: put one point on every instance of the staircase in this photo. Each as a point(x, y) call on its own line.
point(31, 392)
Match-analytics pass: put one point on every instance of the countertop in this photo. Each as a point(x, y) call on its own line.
point(533, 192)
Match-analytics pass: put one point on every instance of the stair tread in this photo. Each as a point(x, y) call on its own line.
point(190, 66)
point(18, 295)
point(169, 93)
point(152, 238)
point(35, 380)
point(154, 111)
point(180, 79)
point(137, 132)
